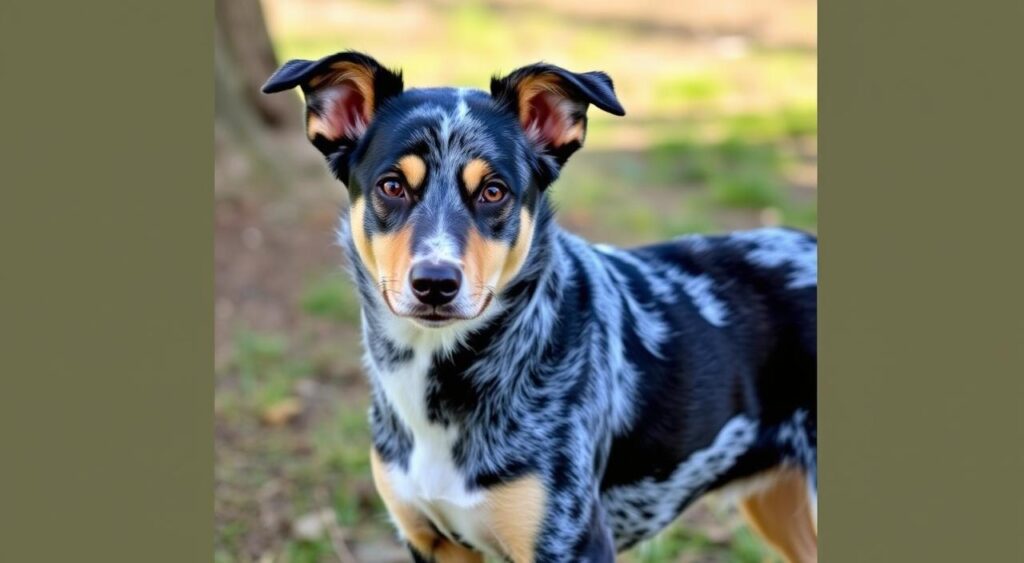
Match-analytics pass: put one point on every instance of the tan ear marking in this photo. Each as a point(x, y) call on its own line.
point(414, 169)
point(558, 128)
point(576, 132)
point(473, 173)
point(361, 77)
point(360, 80)
point(534, 86)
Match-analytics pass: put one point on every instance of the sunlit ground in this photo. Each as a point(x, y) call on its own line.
point(720, 134)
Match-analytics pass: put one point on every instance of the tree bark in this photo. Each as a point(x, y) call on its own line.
point(244, 60)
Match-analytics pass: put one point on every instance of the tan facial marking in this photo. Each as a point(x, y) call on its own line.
point(515, 511)
point(386, 256)
point(414, 527)
point(516, 256)
point(356, 218)
point(492, 264)
point(393, 253)
point(473, 173)
point(414, 169)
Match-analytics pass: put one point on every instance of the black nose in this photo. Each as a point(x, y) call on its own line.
point(435, 283)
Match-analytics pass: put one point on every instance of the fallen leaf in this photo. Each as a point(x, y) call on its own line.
point(282, 412)
point(312, 526)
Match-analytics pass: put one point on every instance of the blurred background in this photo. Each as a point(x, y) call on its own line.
point(720, 133)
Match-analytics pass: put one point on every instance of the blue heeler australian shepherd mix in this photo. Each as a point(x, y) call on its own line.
point(536, 397)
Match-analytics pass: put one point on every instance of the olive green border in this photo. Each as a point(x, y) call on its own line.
point(106, 411)
point(920, 305)
point(106, 362)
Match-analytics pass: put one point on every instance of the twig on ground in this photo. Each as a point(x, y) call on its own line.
point(335, 532)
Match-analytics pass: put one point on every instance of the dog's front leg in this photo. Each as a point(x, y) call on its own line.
point(575, 528)
point(425, 544)
point(597, 545)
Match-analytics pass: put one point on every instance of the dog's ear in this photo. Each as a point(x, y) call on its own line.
point(552, 102)
point(343, 91)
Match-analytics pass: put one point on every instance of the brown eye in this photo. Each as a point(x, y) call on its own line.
point(392, 187)
point(493, 192)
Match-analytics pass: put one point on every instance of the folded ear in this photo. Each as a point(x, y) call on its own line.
point(343, 91)
point(552, 102)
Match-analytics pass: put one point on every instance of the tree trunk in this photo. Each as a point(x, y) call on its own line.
point(244, 60)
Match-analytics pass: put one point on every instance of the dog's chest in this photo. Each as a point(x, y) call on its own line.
point(431, 482)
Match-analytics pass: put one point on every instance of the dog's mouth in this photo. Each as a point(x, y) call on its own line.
point(436, 317)
point(435, 320)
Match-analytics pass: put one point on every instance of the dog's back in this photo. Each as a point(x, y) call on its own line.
point(732, 393)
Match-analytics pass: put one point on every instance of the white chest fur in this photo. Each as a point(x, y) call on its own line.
point(431, 483)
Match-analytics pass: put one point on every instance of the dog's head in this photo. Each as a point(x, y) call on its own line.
point(444, 183)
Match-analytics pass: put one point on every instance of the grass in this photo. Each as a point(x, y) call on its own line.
point(331, 296)
point(267, 373)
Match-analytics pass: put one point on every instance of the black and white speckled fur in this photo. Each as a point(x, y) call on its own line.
point(632, 381)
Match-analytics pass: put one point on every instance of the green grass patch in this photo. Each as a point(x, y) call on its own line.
point(800, 120)
point(687, 89)
point(668, 545)
point(331, 296)
point(266, 372)
point(737, 172)
point(748, 548)
point(684, 160)
point(788, 121)
point(801, 216)
point(746, 188)
point(310, 551)
point(341, 447)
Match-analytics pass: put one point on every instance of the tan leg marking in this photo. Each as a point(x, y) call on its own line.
point(548, 85)
point(473, 173)
point(451, 552)
point(414, 527)
point(782, 515)
point(414, 169)
point(515, 511)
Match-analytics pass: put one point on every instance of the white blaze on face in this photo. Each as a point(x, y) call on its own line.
point(440, 247)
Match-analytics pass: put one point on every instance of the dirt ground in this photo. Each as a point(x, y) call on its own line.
point(720, 134)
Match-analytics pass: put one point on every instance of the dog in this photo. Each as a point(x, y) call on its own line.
point(536, 397)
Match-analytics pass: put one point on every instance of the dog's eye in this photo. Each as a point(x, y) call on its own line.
point(391, 187)
point(493, 192)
